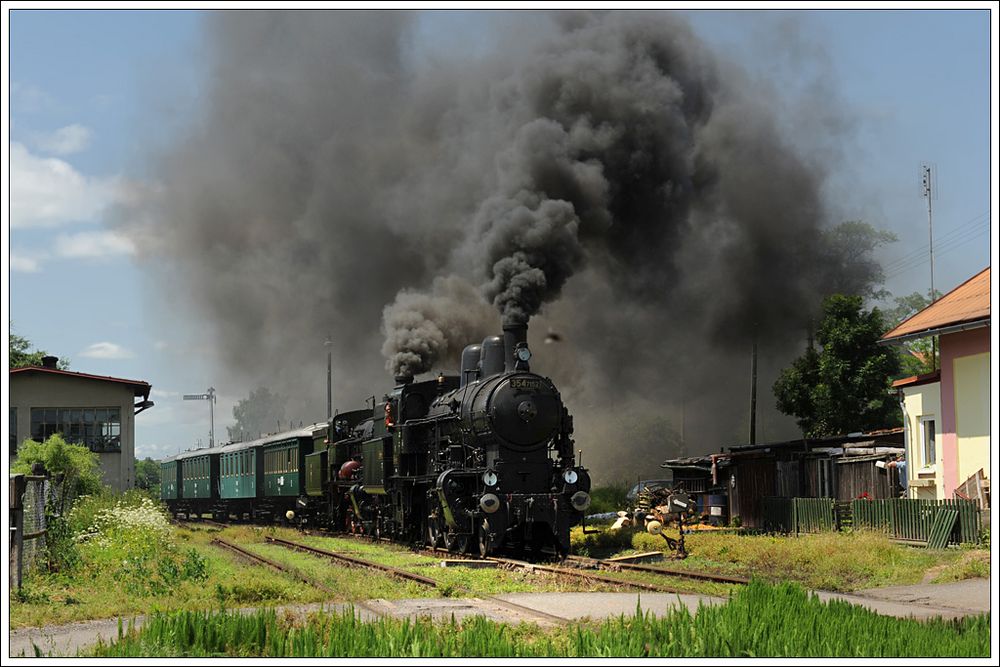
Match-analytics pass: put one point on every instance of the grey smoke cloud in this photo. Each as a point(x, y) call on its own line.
point(605, 175)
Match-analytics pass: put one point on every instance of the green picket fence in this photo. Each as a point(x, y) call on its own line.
point(798, 515)
point(901, 518)
point(910, 519)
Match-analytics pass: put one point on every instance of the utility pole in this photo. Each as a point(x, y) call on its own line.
point(929, 192)
point(328, 344)
point(753, 390)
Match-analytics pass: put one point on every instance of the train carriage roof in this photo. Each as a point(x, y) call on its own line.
point(304, 432)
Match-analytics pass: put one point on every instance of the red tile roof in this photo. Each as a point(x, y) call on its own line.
point(138, 386)
point(966, 304)
point(914, 380)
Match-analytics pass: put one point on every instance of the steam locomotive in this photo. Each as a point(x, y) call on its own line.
point(478, 462)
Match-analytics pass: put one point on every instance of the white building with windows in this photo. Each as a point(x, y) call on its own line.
point(94, 410)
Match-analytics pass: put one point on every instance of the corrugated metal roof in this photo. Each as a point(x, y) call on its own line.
point(969, 302)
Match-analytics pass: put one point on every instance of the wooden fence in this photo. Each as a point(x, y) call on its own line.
point(900, 518)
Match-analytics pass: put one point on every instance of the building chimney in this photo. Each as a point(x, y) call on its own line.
point(50, 362)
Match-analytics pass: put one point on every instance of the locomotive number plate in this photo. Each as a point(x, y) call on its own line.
point(525, 383)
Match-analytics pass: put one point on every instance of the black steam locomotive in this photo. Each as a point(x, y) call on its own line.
point(482, 461)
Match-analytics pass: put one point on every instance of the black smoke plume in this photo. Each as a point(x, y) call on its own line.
point(605, 175)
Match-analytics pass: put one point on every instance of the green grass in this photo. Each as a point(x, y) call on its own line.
point(760, 620)
point(828, 561)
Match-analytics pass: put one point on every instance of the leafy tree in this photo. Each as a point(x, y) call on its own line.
point(916, 357)
point(20, 356)
point(261, 412)
point(844, 385)
point(147, 473)
point(850, 263)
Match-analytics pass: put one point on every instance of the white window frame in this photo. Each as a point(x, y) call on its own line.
point(922, 421)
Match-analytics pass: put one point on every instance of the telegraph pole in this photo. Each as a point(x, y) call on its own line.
point(328, 344)
point(753, 390)
point(929, 192)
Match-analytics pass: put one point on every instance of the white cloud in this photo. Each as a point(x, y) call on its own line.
point(23, 264)
point(28, 98)
point(66, 140)
point(105, 350)
point(90, 245)
point(47, 192)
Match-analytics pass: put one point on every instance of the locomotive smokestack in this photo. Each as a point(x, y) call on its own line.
point(512, 335)
point(403, 379)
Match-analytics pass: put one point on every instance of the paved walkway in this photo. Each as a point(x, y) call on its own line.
point(922, 601)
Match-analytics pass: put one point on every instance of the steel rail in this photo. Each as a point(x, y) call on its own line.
point(665, 571)
point(585, 575)
point(249, 555)
point(359, 562)
point(427, 581)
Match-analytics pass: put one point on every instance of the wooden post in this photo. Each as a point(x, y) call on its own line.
point(17, 486)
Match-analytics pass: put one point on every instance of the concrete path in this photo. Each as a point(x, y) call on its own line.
point(921, 601)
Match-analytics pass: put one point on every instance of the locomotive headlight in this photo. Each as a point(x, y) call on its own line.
point(570, 476)
point(489, 503)
point(490, 478)
point(523, 353)
point(580, 501)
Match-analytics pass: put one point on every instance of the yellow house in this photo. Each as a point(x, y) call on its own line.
point(920, 400)
point(948, 417)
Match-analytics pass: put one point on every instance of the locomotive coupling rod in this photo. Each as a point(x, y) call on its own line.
point(403, 574)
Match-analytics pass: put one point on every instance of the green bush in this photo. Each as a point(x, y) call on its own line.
point(74, 467)
point(609, 498)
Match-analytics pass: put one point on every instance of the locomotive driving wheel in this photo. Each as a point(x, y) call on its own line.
point(435, 532)
point(485, 539)
point(456, 543)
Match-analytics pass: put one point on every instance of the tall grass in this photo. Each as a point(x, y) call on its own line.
point(760, 620)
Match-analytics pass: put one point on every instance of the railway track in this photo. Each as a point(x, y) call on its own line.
point(578, 563)
point(411, 576)
point(260, 560)
point(665, 571)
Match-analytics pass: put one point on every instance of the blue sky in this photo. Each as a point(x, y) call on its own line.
point(90, 91)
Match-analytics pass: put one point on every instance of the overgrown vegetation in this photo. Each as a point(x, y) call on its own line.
point(759, 620)
point(610, 498)
point(826, 561)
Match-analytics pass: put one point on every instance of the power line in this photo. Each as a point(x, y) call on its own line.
point(922, 250)
point(942, 249)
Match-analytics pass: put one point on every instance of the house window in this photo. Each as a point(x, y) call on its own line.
point(928, 447)
point(98, 428)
